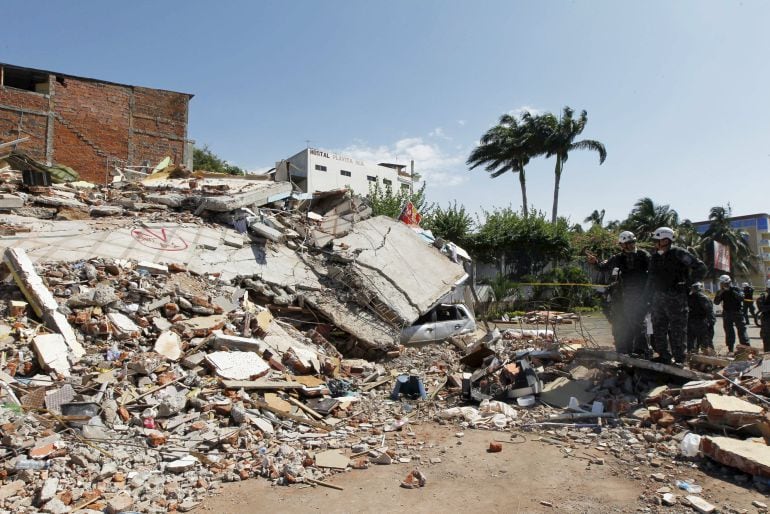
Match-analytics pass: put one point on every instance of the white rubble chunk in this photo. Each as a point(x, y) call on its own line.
point(122, 325)
point(119, 503)
point(237, 365)
point(152, 268)
point(169, 345)
point(186, 463)
point(51, 351)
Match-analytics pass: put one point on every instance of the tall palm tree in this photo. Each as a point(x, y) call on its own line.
point(742, 259)
point(595, 218)
point(645, 217)
point(508, 146)
point(687, 237)
point(560, 134)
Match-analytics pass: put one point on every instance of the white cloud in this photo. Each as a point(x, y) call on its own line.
point(524, 108)
point(461, 123)
point(434, 164)
point(439, 133)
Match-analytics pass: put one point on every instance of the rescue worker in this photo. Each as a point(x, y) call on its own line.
point(748, 303)
point(672, 270)
point(763, 306)
point(629, 306)
point(731, 299)
point(700, 321)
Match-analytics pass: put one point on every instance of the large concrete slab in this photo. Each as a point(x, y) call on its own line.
point(750, 457)
point(371, 332)
point(235, 192)
point(197, 247)
point(730, 410)
point(397, 265)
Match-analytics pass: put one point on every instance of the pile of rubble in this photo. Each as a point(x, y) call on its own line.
point(164, 335)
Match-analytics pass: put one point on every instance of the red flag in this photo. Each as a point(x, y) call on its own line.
point(409, 215)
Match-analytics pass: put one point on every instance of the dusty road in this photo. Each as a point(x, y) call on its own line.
point(532, 476)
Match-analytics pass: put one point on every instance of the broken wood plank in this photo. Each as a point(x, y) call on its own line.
point(324, 484)
point(369, 387)
point(608, 355)
point(304, 407)
point(710, 360)
point(260, 385)
point(298, 419)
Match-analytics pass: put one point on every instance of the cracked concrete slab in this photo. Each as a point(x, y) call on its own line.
point(397, 266)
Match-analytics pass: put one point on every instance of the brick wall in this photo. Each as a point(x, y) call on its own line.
point(91, 126)
point(22, 114)
point(95, 122)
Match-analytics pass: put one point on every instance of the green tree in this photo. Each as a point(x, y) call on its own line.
point(645, 217)
point(452, 223)
point(742, 259)
point(519, 245)
point(558, 137)
point(598, 240)
point(508, 146)
point(595, 218)
point(386, 202)
point(688, 238)
point(205, 159)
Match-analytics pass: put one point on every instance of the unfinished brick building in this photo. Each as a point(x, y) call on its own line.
point(91, 125)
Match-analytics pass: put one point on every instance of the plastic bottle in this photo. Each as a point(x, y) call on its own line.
point(690, 445)
point(31, 464)
point(687, 486)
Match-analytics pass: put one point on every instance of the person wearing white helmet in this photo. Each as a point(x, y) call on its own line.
point(700, 321)
point(628, 304)
point(731, 299)
point(672, 270)
point(763, 306)
point(748, 304)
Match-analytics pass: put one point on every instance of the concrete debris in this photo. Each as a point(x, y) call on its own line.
point(174, 332)
point(237, 365)
point(51, 351)
point(748, 456)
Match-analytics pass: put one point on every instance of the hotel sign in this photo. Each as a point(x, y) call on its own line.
point(336, 157)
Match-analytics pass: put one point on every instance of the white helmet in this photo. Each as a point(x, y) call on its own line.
point(725, 279)
point(615, 272)
point(768, 284)
point(745, 284)
point(663, 233)
point(626, 237)
point(697, 286)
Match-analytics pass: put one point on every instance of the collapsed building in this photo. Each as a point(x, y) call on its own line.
point(168, 333)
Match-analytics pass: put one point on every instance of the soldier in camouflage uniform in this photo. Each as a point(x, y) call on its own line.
point(629, 306)
point(700, 321)
point(672, 270)
point(731, 299)
point(763, 306)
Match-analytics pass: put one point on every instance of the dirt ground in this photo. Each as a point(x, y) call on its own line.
point(529, 476)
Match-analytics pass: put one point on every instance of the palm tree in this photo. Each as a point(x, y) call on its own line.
point(559, 140)
point(687, 237)
point(645, 217)
point(720, 230)
point(595, 218)
point(508, 146)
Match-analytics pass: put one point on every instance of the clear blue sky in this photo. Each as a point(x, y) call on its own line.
point(679, 92)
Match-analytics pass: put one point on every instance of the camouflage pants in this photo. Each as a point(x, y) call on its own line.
point(629, 336)
point(730, 319)
point(700, 335)
point(765, 332)
point(669, 324)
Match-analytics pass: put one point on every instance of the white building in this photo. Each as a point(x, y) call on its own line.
point(315, 170)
